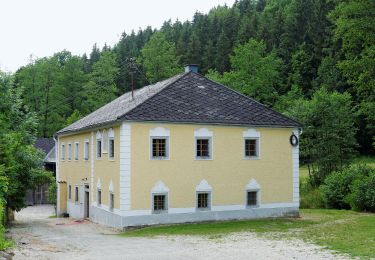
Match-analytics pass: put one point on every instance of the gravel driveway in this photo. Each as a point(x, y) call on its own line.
point(40, 237)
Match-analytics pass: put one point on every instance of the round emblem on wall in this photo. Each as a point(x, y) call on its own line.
point(293, 140)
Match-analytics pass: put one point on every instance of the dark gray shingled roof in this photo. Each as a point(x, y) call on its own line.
point(44, 144)
point(185, 98)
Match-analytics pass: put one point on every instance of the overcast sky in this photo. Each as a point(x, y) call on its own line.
point(43, 27)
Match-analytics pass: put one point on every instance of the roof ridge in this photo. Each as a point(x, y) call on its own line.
point(252, 99)
point(182, 75)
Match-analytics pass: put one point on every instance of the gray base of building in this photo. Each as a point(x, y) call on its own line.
point(113, 220)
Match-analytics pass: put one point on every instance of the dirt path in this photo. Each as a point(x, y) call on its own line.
point(40, 237)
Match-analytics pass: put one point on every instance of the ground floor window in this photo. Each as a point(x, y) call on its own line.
point(70, 192)
point(252, 198)
point(203, 200)
point(159, 203)
point(111, 201)
point(99, 199)
point(76, 195)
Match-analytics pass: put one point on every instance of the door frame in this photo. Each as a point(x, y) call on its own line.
point(86, 204)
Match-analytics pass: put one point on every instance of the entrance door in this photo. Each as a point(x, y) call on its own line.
point(87, 204)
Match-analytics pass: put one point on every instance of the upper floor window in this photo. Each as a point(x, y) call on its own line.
point(203, 148)
point(203, 144)
point(159, 143)
point(69, 151)
point(63, 152)
point(111, 144)
point(159, 148)
point(75, 151)
point(104, 141)
point(111, 148)
point(251, 147)
point(98, 145)
point(86, 150)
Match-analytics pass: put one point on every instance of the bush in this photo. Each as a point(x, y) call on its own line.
point(311, 197)
point(52, 194)
point(337, 187)
point(363, 193)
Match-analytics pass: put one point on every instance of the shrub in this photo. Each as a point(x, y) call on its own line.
point(337, 186)
point(311, 197)
point(363, 194)
point(52, 194)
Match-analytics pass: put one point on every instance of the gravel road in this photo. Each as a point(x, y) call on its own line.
point(40, 237)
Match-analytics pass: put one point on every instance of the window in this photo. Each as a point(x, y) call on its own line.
point(76, 151)
point(159, 203)
point(70, 192)
point(159, 148)
point(99, 199)
point(111, 201)
point(111, 148)
point(69, 151)
point(76, 197)
point(203, 149)
point(251, 147)
point(252, 198)
point(99, 149)
point(63, 152)
point(86, 150)
point(104, 142)
point(203, 200)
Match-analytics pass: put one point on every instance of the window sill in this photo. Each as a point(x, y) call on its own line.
point(251, 158)
point(252, 207)
point(203, 159)
point(111, 159)
point(159, 158)
point(160, 212)
point(202, 209)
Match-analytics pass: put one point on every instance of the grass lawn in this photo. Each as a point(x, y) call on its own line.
point(343, 231)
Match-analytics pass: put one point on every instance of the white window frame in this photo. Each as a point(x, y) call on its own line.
point(256, 148)
point(62, 152)
point(160, 133)
point(111, 202)
point(111, 137)
point(166, 148)
point(160, 189)
point(204, 158)
point(253, 186)
point(209, 204)
point(204, 133)
point(86, 150)
point(76, 151)
point(76, 194)
point(104, 141)
point(69, 151)
point(166, 203)
point(99, 139)
point(69, 192)
point(251, 134)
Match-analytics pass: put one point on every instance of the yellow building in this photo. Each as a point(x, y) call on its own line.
point(181, 150)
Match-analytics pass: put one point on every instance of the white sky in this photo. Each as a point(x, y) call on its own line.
point(43, 27)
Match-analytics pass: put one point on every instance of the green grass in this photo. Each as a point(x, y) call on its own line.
point(343, 231)
point(369, 160)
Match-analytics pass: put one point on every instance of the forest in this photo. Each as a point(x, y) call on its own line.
point(313, 60)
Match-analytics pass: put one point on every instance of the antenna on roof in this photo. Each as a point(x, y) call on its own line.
point(132, 67)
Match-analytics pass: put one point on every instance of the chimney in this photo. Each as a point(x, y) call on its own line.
point(191, 67)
